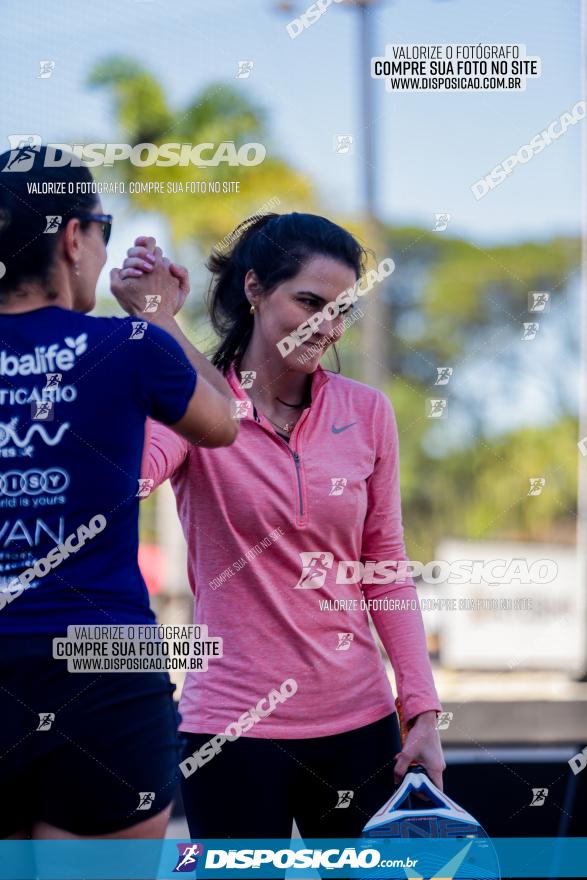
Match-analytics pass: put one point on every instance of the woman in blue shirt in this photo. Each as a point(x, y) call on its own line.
point(93, 754)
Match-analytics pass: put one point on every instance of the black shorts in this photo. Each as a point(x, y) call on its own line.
point(106, 761)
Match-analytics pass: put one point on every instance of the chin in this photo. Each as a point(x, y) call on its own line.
point(85, 304)
point(305, 359)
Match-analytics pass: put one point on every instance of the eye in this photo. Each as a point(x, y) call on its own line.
point(308, 303)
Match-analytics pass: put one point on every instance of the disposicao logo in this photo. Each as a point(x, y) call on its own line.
point(24, 148)
point(188, 855)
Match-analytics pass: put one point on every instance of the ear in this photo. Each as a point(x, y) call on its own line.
point(71, 241)
point(253, 287)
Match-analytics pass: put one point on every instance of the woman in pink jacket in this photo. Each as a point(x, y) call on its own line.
point(297, 718)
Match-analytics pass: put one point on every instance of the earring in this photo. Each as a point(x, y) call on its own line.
point(252, 309)
point(76, 268)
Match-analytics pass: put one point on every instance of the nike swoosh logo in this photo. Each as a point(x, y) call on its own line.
point(336, 430)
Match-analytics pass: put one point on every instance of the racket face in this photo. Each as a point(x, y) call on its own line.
point(425, 813)
point(475, 860)
point(431, 825)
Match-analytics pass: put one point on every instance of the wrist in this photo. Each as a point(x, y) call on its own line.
point(424, 719)
point(161, 319)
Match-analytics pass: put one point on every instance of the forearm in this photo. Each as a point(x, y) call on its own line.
point(200, 363)
point(403, 637)
point(428, 718)
point(164, 452)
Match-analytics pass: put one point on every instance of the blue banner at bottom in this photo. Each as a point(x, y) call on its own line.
point(417, 859)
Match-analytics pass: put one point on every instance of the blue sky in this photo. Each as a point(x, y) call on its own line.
point(431, 147)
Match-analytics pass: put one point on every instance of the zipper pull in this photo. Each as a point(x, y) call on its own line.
point(255, 413)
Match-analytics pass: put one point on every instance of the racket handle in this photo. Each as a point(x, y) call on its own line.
point(403, 728)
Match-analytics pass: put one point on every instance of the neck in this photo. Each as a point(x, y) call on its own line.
point(33, 296)
point(273, 379)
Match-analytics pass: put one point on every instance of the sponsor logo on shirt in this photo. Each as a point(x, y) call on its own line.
point(44, 358)
point(336, 430)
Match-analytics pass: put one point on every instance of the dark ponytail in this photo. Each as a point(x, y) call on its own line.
point(26, 250)
point(276, 247)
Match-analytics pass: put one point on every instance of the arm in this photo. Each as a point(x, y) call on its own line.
point(163, 453)
point(198, 361)
point(403, 637)
point(207, 420)
point(212, 400)
point(141, 260)
point(401, 632)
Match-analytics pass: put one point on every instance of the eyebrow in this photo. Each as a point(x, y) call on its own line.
point(310, 293)
point(321, 299)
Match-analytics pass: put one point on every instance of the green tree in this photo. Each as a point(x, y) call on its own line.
point(217, 114)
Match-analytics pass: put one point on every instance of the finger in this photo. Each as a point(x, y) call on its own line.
point(182, 275)
point(178, 271)
point(144, 254)
point(130, 273)
point(117, 276)
point(401, 766)
point(138, 263)
point(146, 241)
point(141, 253)
point(436, 777)
point(166, 264)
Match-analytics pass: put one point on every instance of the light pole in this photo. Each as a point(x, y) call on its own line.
point(372, 331)
point(373, 369)
point(582, 475)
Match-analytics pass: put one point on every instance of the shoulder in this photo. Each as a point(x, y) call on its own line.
point(133, 342)
point(356, 401)
point(97, 325)
point(86, 334)
point(358, 393)
point(146, 338)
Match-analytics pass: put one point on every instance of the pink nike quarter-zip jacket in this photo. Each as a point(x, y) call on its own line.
point(277, 535)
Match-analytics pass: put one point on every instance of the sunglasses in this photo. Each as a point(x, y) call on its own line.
point(104, 219)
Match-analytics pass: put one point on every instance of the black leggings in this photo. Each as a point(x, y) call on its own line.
point(254, 787)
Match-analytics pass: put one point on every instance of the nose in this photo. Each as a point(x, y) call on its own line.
point(329, 326)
